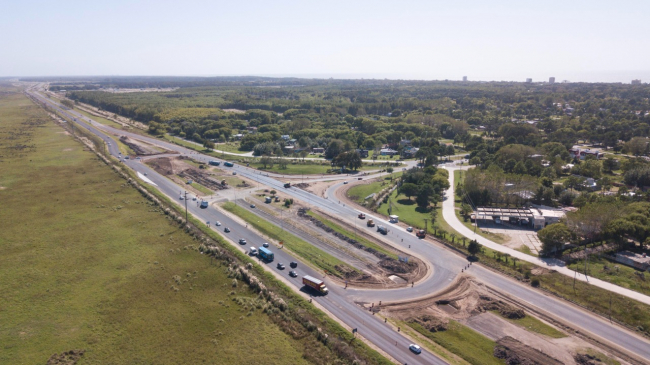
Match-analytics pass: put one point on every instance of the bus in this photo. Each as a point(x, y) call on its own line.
point(265, 254)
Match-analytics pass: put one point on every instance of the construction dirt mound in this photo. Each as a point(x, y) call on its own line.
point(141, 149)
point(177, 166)
point(66, 358)
point(517, 353)
point(431, 323)
point(506, 310)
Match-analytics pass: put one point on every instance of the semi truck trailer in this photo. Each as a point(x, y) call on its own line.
point(315, 284)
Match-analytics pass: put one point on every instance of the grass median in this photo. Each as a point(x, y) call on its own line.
point(307, 251)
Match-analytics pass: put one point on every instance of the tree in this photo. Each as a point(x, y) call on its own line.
point(474, 247)
point(303, 154)
point(553, 237)
point(273, 192)
point(208, 144)
point(588, 222)
point(424, 194)
point(266, 161)
point(610, 164)
point(68, 103)
point(408, 189)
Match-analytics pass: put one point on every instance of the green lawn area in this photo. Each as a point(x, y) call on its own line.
point(463, 341)
point(232, 147)
point(533, 324)
point(201, 188)
point(300, 247)
point(359, 192)
point(359, 239)
point(616, 273)
point(102, 269)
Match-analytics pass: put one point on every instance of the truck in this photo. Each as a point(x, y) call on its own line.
point(228, 164)
point(287, 185)
point(265, 254)
point(315, 284)
point(268, 199)
point(214, 163)
point(393, 219)
point(382, 230)
point(421, 233)
point(370, 223)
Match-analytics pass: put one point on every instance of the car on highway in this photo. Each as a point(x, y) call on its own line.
point(360, 178)
point(145, 174)
point(409, 229)
point(265, 244)
point(280, 266)
point(345, 183)
point(194, 198)
point(126, 157)
point(181, 197)
point(415, 349)
point(292, 274)
point(234, 173)
point(252, 251)
point(362, 216)
point(253, 206)
point(227, 230)
point(293, 264)
point(217, 223)
point(137, 158)
point(242, 241)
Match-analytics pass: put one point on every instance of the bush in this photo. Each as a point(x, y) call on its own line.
point(534, 282)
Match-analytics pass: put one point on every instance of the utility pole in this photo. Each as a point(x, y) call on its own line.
point(186, 207)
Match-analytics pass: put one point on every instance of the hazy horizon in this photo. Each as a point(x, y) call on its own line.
point(578, 41)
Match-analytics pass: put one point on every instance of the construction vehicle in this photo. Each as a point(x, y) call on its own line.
point(370, 223)
point(315, 284)
point(287, 185)
point(382, 230)
point(421, 233)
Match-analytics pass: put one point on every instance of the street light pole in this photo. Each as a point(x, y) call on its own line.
point(185, 207)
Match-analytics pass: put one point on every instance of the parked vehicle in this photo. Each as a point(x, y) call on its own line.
point(268, 200)
point(315, 284)
point(265, 254)
point(370, 223)
point(409, 229)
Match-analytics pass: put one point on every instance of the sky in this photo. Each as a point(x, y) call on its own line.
point(575, 40)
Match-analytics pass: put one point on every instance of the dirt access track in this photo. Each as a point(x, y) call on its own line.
point(144, 149)
point(178, 170)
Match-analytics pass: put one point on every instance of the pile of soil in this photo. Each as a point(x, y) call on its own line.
point(203, 178)
point(350, 273)
point(516, 353)
point(431, 323)
point(138, 148)
point(486, 303)
point(586, 359)
point(398, 267)
point(300, 185)
point(66, 358)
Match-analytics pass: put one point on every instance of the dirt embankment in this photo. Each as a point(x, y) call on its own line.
point(515, 352)
point(180, 171)
point(143, 149)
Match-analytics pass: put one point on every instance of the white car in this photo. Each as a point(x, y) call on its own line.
point(194, 198)
point(218, 223)
point(409, 229)
point(181, 198)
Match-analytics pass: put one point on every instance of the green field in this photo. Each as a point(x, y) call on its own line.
point(463, 341)
point(303, 249)
point(100, 119)
point(229, 147)
point(615, 273)
point(533, 324)
point(358, 193)
point(101, 269)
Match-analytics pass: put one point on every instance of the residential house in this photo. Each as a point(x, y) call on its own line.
point(409, 152)
point(286, 137)
point(387, 152)
point(318, 150)
point(576, 152)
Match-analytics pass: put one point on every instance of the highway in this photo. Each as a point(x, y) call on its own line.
point(340, 302)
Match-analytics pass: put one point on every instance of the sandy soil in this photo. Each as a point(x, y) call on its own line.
point(319, 187)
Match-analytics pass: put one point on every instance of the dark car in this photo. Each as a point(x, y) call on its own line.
point(293, 264)
point(242, 241)
point(227, 230)
point(292, 274)
point(265, 244)
point(280, 266)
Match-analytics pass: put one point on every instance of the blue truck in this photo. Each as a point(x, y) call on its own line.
point(214, 163)
point(265, 254)
point(228, 164)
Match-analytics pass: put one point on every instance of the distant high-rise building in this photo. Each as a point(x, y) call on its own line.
point(528, 81)
point(464, 78)
point(636, 82)
point(551, 80)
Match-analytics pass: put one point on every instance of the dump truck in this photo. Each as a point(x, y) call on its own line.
point(228, 164)
point(315, 284)
point(370, 223)
point(421, 233)
point(265, 254)
point(287, 185)
point(382, 230)
point(214, 163)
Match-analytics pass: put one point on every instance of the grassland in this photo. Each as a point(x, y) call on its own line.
point(533, 324)
point(358, 193)
point(88, 263)
point(615, 273)
point(303, 249)
point(232, 147)
point(346, 233)
point(463, 341)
